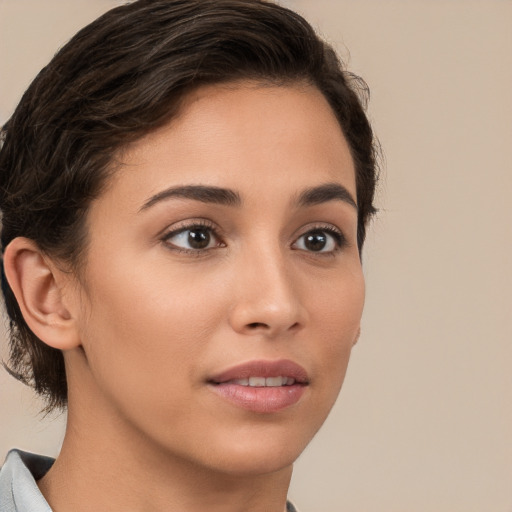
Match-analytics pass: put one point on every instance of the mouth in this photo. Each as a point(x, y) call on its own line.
point(263, 382)
point(261, 386)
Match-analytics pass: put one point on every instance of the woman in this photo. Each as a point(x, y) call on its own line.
point(185, 193)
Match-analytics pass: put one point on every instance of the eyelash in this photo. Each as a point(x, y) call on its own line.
point(336, 234)
point(193, 225)
point(339, 239)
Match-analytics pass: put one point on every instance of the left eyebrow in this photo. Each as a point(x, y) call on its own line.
point(325, 193)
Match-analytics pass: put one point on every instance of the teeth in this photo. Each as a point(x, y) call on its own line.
point(261, 382)
point(274, 381)
point(257, 381)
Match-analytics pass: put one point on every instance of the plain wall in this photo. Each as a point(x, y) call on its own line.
point(424, 421)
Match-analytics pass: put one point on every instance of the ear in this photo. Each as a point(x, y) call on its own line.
point(358, 334)
point(39, 287)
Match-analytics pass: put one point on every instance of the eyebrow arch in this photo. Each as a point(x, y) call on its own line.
point(324, 193)
point(203, 193)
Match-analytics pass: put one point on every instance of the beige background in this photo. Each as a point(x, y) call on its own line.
point(424, 422)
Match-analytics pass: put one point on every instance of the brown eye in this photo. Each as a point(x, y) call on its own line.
point(193, 238)
point(319, 240)
point(198, 238)
point(315, 241)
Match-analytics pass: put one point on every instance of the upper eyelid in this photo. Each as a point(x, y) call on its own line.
point(178, 227)
point(320, 226)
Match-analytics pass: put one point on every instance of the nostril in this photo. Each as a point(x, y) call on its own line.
point(261, 325)
point(255, 325)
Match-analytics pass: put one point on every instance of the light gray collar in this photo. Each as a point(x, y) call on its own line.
point(18, 489)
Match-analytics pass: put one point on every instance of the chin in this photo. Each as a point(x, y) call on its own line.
point(262, 451)
point(254, 463)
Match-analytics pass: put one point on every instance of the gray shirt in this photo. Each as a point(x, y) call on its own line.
point(18, 488)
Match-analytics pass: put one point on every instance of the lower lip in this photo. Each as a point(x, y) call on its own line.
point(260, 399)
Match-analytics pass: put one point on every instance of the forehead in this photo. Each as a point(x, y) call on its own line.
point(239, 135)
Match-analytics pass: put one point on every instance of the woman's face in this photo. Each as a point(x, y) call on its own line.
point(223, 291)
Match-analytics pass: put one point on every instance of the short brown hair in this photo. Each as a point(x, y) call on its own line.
point(121, 77)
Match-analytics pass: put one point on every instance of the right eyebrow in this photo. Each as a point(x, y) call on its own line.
point(203, 193)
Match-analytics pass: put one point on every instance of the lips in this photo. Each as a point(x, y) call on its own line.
point(261, 386)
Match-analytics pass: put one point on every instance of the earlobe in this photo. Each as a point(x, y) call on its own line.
point(38, 286)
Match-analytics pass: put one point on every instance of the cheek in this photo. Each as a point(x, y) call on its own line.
point(336, 313)
point(337, 306)
point(142, 335)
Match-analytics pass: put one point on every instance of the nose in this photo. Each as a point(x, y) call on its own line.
point(267, 299)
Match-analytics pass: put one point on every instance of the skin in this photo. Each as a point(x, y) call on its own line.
point(150, 320)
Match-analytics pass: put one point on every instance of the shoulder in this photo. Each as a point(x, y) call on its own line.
point(18, 487)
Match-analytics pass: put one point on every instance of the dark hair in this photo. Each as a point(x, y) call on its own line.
point(122, 76)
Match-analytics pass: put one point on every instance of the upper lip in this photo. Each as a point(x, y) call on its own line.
point(262, 368)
